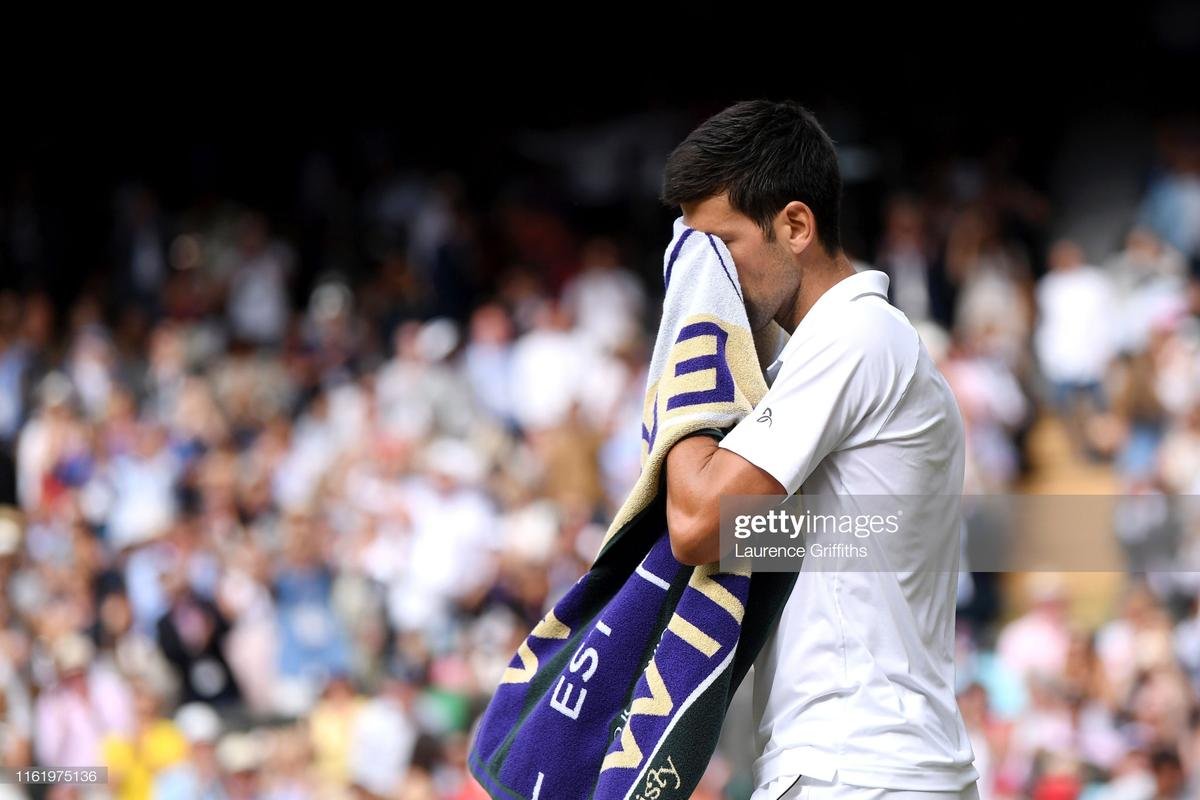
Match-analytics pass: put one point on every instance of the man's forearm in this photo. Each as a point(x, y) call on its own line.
point(689, 518)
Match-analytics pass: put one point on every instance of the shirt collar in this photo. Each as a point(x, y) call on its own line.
point(848, 289)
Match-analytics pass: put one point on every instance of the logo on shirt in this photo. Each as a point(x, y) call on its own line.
point(766, 417)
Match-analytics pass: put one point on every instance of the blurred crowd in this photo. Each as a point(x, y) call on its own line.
point(275, 538)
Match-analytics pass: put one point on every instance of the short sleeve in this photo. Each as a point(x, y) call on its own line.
point(814, 406)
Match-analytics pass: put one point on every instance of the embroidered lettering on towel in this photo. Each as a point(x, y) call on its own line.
point(548, 628)
point(658, 704)
point(656, 783)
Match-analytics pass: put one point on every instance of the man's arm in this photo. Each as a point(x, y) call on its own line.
point(818, 401)
point(698, 473)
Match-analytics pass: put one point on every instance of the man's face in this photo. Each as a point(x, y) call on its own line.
point(766, 270)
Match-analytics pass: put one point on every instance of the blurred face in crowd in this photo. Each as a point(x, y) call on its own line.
point(769, 263)
point(115, 614)
point(1066, 255)
point(904, 223)
point(252, 234)
point(145, 704)
point(601, 253)
point(490, 325)
point(150, 440)
point(75, 680)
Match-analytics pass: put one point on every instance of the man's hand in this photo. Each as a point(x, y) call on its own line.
point(698, 473)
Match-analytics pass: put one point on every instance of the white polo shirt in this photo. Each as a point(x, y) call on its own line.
point(856, 683)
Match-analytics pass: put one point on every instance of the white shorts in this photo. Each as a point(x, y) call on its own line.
point(806, 788)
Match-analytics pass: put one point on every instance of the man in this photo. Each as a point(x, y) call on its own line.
point(854, 692)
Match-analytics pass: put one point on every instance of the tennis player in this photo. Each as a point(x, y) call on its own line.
point(854, 692)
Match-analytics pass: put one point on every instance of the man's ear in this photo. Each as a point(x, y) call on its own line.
point(797, 226)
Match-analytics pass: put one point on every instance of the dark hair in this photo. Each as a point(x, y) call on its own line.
point(764, 154)
point(1165, 758)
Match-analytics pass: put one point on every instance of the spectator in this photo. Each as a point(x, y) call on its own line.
point(154, 745)
point(1074, 340)
point(86, 703)
point(197, 777)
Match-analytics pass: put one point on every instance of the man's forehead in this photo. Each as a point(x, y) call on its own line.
point(709, 214)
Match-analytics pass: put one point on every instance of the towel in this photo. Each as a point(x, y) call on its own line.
point(620, 691)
